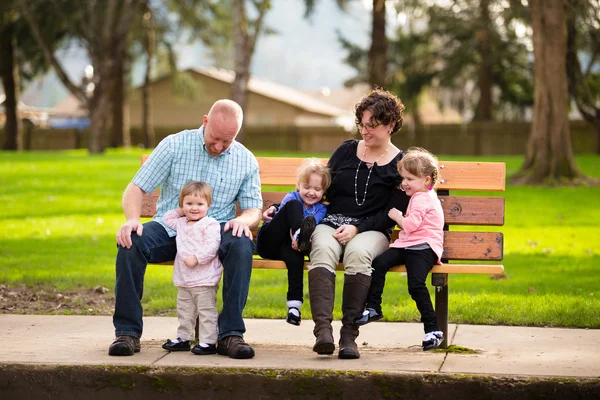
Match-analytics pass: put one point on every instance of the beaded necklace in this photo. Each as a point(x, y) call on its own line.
point(310, 210)
point(368, 176)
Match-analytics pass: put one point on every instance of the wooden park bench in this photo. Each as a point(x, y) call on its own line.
point(483, 247)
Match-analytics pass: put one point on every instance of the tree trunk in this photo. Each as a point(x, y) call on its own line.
point(120, 136)
point(241, 57)
point(578, 86)
point(484, 109)
point(379, 47)
point(549, 157)
point(96, 131)
point(104, 32)
point(117, 98)
point(148, 129)
point(9, 69)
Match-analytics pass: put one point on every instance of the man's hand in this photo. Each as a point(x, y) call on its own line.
point(238, 228)
point(125, 232)
point(190, 261)
point(268, 214)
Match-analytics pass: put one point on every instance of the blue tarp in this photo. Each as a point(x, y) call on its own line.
point(69, 123)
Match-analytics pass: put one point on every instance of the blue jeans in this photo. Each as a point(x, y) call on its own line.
point(155, 246)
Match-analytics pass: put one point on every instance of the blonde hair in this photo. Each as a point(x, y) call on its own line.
point(196, 187)
point(420, 163)
point(314, 166)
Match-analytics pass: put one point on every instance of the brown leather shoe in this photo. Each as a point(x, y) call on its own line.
point(234, 347)
point(124, 346)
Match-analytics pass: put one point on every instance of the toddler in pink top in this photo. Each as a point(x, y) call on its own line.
point(419, 245)
point(197, 269)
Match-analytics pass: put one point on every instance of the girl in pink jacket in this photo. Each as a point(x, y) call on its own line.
point(197, 269)
point(419, 245)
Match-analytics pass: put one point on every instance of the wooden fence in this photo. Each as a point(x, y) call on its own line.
point(490, 138)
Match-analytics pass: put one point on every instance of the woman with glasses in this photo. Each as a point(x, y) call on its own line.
point(356, 229)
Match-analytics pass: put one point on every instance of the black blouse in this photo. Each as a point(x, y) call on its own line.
point(382, 193)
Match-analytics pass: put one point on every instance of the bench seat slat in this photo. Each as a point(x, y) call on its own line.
point(444, 269)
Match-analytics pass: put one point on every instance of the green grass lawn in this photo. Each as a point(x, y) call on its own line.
point(61, 211)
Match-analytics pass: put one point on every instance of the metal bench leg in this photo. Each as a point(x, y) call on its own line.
point(440, 282)
point(198, 328)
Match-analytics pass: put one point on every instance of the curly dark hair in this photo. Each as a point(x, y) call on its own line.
point(385, 108)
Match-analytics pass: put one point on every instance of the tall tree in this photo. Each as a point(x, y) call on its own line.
point(149, 44)
point(102, 28)
point(376, 73)
point(549, 157)
point(378, 52)
point(9, 71)
point(477, 41)
point(220, 24)
point(245, 35)
point(20, 62)
point(583, 37)
point(484, 108)
point(154, 34)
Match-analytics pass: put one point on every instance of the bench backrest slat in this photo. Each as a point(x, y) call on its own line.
point(456, 175)
point(473, 210)
point(458, 210)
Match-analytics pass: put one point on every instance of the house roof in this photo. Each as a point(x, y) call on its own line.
point(267, 88)
point(344, 98)
point(69, 107)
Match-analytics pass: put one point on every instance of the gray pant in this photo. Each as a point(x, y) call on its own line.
point(359, 252)
point(194, 302)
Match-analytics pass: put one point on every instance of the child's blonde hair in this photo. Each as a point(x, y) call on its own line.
point(420, 163)
point(196, 187)
point(314, 166)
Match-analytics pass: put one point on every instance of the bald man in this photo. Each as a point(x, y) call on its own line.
point(209, 154)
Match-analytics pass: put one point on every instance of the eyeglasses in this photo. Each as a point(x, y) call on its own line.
point(368, 128)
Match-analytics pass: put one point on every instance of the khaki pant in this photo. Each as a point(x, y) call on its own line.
point(194, 302)
point(358, 253)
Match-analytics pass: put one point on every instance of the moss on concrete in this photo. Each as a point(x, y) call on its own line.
point(119, 382)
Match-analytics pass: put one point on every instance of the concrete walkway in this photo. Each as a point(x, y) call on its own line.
point(384, 347)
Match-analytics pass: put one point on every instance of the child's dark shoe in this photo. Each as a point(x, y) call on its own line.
point(432, 340)
point(203, 351)
point(369, 315)
point(293, 316)
point(176, 345)
point(306, 230)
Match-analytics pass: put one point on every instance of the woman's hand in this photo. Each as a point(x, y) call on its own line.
point(345, 233)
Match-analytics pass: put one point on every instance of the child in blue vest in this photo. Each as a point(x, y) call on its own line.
point(285, 234)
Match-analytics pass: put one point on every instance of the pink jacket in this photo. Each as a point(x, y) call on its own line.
point(201, 240)
point(423, 223)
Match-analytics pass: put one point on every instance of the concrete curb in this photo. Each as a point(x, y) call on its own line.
point(133, 382)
